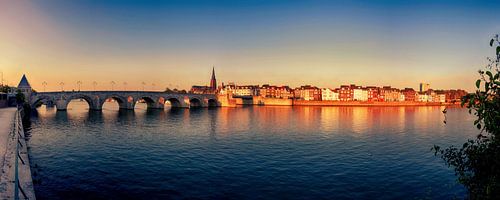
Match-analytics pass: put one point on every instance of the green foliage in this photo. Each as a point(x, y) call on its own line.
point(5, 89)
point(175, 90)
point(477, 162)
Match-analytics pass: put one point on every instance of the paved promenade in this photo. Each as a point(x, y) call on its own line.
point(6, 121)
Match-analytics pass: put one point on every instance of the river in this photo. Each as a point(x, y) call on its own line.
point(245, 153)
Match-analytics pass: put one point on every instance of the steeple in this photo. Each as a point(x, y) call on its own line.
point(24, 83)
point(213, 81)
point(25, 87)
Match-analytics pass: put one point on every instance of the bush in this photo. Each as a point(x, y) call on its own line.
point(477, 162)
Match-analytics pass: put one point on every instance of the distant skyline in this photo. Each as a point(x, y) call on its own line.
point(176, 43)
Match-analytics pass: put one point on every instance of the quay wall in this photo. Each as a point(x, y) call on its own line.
point(365, 103)
point(15, 179)
point(228, 101)
point(263, 101)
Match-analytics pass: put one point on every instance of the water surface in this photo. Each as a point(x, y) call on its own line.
point(245, 153)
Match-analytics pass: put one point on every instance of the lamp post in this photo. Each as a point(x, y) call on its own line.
point(112, 85)
point(44, 85)
point(79, 83)
point(94, 84)
point(62, 86)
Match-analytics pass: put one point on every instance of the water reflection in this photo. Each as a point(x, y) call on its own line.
point(247, 152)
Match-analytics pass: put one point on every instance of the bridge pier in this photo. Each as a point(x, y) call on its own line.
point(61, 105)
point(156, 105)
point(127, 105)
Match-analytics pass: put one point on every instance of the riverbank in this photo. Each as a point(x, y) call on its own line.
point(15, 178)
point(226, 101)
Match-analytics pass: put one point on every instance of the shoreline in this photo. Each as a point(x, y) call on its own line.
point(261, 101)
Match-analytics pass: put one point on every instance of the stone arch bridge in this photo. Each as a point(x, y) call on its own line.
point(125, 99)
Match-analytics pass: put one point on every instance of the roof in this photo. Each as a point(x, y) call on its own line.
point(24, 82)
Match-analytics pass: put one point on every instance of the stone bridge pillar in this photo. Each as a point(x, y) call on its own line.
point(156, 105)
point(61, 104)
point(129, 105)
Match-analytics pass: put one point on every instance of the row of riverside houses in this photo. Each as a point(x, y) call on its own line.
point(344, 93)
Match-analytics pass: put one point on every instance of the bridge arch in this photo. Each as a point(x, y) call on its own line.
point(121, 100)
point(212, 103)
point(152, 102)
point(42, 99)
point(195, 102)
point(175, 102)
point(63, 103)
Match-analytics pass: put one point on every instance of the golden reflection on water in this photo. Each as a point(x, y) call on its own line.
point(328, 120)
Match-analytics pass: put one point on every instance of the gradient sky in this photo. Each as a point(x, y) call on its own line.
point(175, 43)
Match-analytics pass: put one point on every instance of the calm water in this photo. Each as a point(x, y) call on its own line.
point(246, 153)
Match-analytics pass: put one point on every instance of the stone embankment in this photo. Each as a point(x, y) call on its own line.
point(15, 178)
point(227, 101)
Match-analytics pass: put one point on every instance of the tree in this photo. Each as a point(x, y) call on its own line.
point(4, 88)
point(20, 98)
point(477, 162)
point(168, 90)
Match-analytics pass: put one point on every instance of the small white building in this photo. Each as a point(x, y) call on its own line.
point(422, 97)
point(246, 90)
point(401, 97)
point(328, 94)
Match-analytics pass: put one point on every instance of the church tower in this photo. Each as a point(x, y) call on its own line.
point(213, 81)
point(25, 87)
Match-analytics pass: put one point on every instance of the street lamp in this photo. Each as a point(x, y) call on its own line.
point(79, 83)
point(44, 85)
point(62, 86)
point(94, 84)
point(112, 85)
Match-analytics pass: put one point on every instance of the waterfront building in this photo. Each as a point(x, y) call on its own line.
point(424, 87)
point(245, 90)
point(391, 94)
point(197, 89)
point(422, 97)
point(328, 94)
point(346, 93)
point(409, 94)
point(360, 94)
point(271, 91)
point(441, 98)
point(308, 93)
point(454, 95)
point(373, 93)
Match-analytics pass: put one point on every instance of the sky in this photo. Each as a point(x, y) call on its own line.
point(288, 42)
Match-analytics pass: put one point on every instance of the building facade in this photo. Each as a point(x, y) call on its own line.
point(308, 93)
point(328, 94)
point(279, 92)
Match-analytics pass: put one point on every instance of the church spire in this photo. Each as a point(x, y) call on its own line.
point(213, 81)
